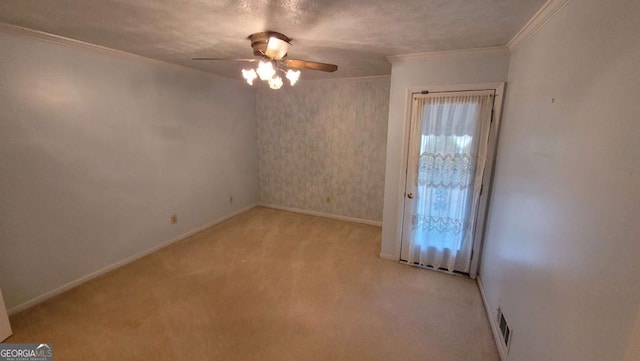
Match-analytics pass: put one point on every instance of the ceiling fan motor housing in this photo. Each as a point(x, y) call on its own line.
point(260, 40)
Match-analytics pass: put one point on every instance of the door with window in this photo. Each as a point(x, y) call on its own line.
point(448, 147)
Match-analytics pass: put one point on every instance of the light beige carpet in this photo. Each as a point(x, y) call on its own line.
point(266, 285)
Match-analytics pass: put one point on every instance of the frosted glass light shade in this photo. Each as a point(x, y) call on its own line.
point(293, 76)
point(276, 48)
point(249, 75)
point(265, 70)
point(275, 83)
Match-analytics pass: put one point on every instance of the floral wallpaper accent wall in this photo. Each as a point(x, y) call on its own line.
point(322, 146)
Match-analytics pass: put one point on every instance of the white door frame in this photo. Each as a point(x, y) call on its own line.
point(488, 170)
point(5, 327)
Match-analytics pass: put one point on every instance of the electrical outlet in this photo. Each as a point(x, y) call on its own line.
point(230, 199)
point(174, 219)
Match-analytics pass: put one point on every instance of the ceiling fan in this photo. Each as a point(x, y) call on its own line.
point(271, 49)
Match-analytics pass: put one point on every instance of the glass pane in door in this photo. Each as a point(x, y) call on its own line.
point(447, 144)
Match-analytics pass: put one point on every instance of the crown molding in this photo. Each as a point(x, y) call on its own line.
point(537, 21)
point(73, 43)
point(61, 40)
point(364, 77)
point(431, 54)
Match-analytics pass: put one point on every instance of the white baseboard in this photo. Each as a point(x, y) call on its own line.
point(34, 301)
point(388, 256)
point(494, 326)
point(321, 214)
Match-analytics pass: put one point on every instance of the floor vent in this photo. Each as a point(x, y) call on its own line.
point(505, 330)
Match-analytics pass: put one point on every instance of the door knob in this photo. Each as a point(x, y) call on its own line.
point(410, 195)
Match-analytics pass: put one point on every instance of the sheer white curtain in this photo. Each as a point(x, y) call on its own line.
point(449, 152)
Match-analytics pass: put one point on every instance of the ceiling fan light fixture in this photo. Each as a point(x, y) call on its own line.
point(276, 48)
point(293, 76)
point(271, 49)
point(265, 70)
point(275, 83)
point(249, 75)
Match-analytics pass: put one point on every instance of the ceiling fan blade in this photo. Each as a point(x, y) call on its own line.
point(311, 65)
point(226, 59)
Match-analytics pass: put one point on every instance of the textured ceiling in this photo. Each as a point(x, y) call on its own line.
point(357, 35)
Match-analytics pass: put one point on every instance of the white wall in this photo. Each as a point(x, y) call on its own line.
point(459, 67)
point(98, 149)
point(562, 252)
point(321, 146)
